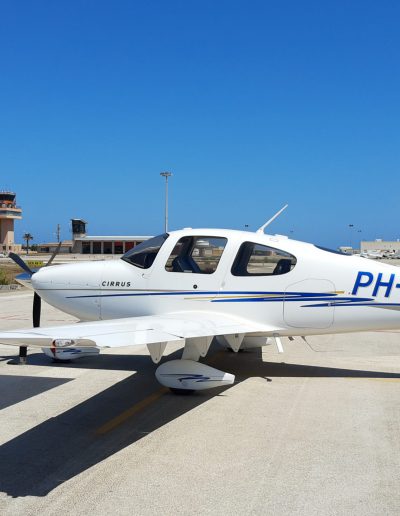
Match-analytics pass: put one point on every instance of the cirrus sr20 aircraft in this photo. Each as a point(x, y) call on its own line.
point(189, 286)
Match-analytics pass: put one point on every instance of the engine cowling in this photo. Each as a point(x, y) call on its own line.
point(190, 375)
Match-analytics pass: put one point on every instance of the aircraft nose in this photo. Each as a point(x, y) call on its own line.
point(68, 276)
point(73, 288)
point(43, 278)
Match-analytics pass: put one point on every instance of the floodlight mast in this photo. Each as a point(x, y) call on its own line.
point(166, 175)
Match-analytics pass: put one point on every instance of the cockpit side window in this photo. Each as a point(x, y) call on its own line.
point(196, 254)
point(261, 260)
point(144, 254)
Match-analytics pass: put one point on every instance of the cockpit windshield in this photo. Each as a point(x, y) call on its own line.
point(144, 254)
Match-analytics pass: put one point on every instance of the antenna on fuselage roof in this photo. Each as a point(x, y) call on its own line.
point(261, 229)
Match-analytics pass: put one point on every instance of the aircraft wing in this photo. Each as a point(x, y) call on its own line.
point(136, 331)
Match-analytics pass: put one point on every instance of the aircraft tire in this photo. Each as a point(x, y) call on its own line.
point(181, 392)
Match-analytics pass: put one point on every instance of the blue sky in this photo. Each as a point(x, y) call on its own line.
point(251, 104)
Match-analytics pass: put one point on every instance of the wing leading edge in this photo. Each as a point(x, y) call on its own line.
point(137, 331)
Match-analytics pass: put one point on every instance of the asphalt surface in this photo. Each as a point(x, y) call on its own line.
point(314, 431)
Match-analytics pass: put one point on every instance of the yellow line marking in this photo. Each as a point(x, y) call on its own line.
point(373, 379)
point(138, 407)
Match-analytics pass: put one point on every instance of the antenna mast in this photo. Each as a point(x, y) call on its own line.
point(261, 229)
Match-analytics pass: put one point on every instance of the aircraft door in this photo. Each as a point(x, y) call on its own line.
point(195, 269)
point(307, 304)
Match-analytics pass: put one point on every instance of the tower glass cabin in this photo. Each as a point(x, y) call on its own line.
point(9, 212)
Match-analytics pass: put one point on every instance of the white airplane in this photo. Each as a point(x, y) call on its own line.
point(374, 254)
point(189, 286)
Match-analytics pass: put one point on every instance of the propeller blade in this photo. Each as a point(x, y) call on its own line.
point(55, 253)
point(37, 300)
point(19, 261)
point(37, 305)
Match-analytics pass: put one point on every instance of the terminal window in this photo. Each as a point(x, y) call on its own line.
point(107, 247)
point(96, 247)
point(118, 248)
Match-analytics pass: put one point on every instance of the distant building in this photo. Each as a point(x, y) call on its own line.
point(49, 247)
point(78, 228)
point(380, 245)
point(106, 244)
point(82, 243)
point(86, 244)
point(9, 212)
point(347, 249)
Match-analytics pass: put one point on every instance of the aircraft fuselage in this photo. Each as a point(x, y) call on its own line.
point(292, 285)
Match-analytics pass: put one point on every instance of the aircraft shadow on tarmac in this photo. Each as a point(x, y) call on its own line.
point(36, 462)
point(15, 388)
point(103, 361)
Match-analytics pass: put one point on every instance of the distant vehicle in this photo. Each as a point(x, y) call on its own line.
point(3, 255)
point(372, 254)
point(392, 254)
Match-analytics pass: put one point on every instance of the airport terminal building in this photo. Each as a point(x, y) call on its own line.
point(106, 244)
point(82, 243)
point(380, 245)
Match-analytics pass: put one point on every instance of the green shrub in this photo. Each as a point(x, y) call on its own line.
point(4, 279)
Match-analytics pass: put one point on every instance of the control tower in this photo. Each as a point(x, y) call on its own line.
point(78, 228)
point(9, 211)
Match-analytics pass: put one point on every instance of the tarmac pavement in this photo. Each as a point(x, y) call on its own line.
point(314, 431)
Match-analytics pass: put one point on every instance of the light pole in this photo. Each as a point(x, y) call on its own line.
point(359, 236)
point(351, 226)
point(166, 175)
point(58, 232)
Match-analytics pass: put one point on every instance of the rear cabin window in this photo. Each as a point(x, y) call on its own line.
point(144, 254)
point(261, 260)
point(196, 254)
